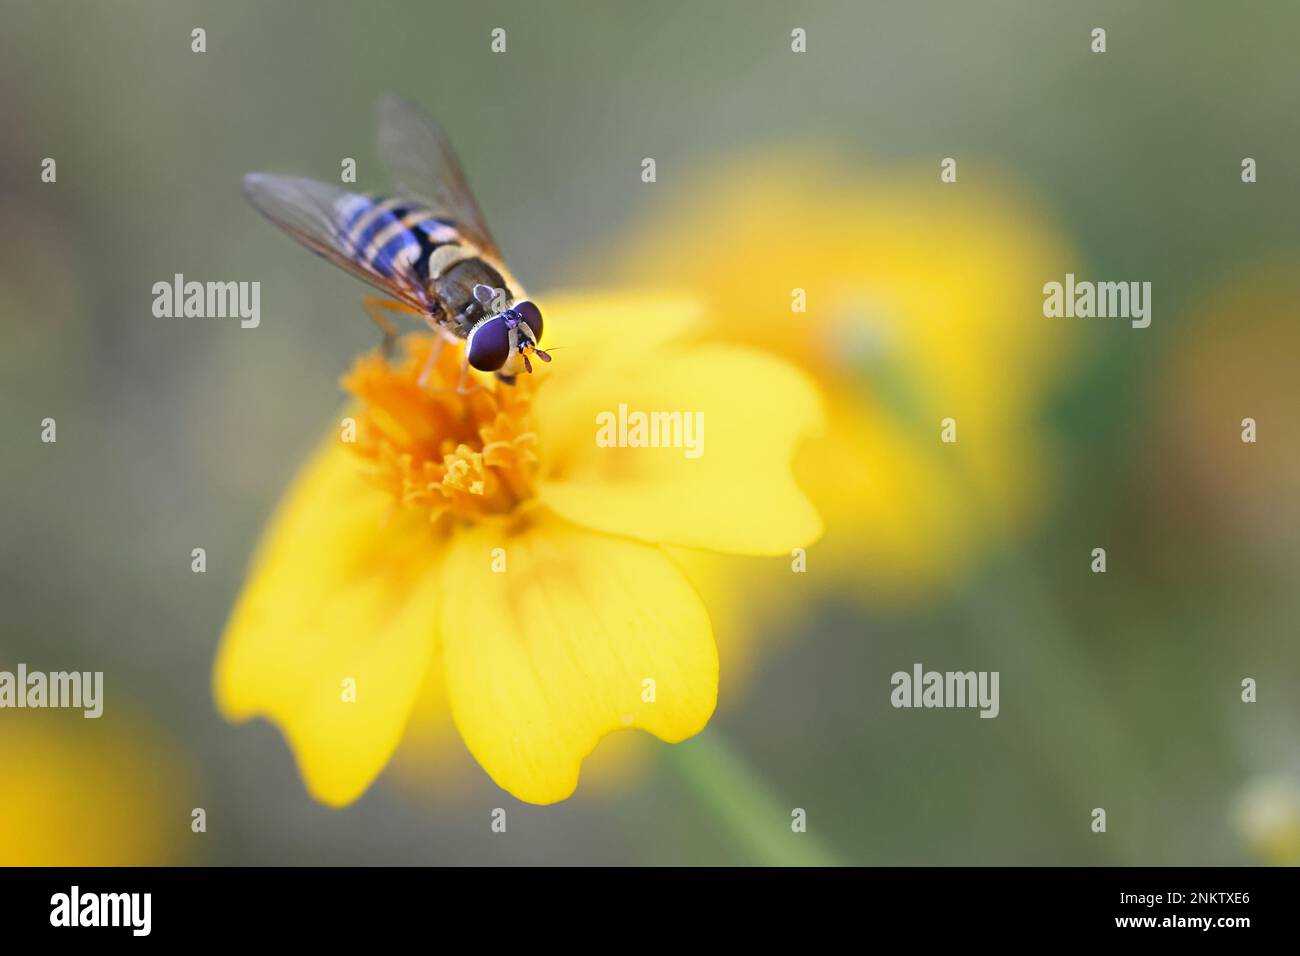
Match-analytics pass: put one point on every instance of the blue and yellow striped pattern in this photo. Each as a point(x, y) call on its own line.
point(393, 236)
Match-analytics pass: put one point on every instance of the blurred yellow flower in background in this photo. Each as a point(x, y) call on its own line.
point(923, 302)
point(486, 547)
point(105, 792)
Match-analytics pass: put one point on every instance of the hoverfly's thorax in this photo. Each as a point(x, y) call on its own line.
point(454, 292)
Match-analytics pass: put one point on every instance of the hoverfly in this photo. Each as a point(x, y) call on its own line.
point(427, 246)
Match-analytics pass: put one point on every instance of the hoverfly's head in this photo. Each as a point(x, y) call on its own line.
point(502, 342)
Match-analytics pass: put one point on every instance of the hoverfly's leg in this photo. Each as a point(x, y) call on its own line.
point(434, 352)
point(444, 336)
point(466, 377)
point(375, 306)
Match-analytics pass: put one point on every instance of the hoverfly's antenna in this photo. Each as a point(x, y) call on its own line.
point(524, 352)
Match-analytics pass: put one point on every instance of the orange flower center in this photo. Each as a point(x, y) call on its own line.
point(441, 443)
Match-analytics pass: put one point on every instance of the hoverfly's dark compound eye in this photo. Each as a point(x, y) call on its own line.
point(531, 316)
point(489, 345)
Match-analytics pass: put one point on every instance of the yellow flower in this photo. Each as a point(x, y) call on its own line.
point(923, 303)
point(486, 545)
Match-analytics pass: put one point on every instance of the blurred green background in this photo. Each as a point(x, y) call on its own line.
point(174, 434)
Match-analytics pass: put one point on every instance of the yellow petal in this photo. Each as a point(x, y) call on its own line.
point(432, 757)
point(344, 588)
point(583, 634)
point(728, 484)
point(599, 334)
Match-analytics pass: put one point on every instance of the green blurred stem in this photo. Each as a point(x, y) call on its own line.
point(737, 797)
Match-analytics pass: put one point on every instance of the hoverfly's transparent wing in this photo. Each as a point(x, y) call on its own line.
point(317, 215)
point(423, 166)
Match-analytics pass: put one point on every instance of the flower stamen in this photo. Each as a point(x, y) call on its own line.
point(433, 445)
